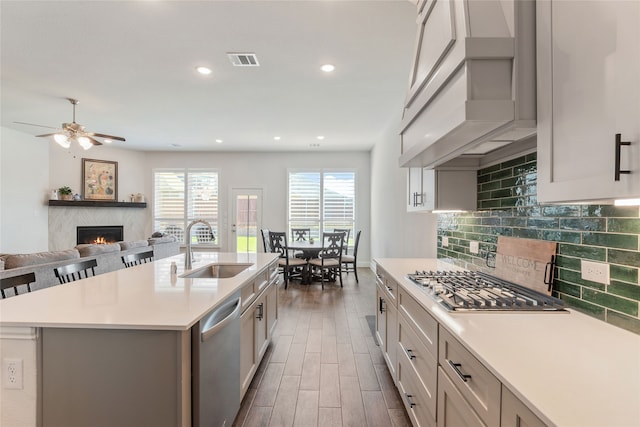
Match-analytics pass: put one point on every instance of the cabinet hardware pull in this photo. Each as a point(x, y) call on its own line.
point(409, 401)
point(410, 354)
point(619, 144)
point(260, 311)
point(381, 305)
point(456, 368)
point(389, 288)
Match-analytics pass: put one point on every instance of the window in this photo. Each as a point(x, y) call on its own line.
point(182, 195)
point(322, 200)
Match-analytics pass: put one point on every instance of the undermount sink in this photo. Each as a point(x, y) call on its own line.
point(217, 271)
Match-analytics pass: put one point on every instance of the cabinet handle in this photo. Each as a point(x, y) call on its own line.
point(389, 288)
point(456, 367)
point(260, 311)
point(619, 144)
point(381, 305)
point(409, 401)
point(410, 354)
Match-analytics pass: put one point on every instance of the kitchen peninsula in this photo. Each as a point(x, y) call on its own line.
point(117, 348)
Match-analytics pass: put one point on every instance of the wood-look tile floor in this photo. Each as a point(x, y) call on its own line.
point(323, 367)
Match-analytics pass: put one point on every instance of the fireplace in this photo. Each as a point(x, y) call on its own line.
point(101, 234)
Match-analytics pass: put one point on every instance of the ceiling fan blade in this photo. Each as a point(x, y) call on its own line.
point(32, 124)
point(47, 134)
point(102, 135)
point(94, 141)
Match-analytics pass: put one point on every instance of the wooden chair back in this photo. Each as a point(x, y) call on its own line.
point(16, 281)
point(347, 233)
point(266, 242)
point(300, 234)
point(72, 272)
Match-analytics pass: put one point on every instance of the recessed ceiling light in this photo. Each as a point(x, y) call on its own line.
point(219, 141)
point(327, 68)
point(320, 137)
point(277, 138)
point(203, 70)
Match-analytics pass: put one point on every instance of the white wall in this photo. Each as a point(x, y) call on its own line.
point(396, 233)
point(24, 189)
point(268, 171)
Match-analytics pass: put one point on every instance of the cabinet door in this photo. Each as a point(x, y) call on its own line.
point(515, 413)
point(272, 309)
point(588, 91)
point(381, 318)
point(248, 358)
point(453, 410)
point(391, 343)
point(262, 331)
point(414, 190)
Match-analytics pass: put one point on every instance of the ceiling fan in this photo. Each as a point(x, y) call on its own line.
point(76, 132)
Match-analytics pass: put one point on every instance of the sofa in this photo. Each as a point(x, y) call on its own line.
point(107, 256)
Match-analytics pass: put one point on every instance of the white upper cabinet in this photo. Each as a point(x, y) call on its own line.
point(472, 83)
point(441, 190)
point(588, 92)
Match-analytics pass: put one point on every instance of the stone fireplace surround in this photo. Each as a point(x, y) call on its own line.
point(63, 221)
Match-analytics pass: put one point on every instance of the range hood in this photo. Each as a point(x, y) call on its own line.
point(472, 87)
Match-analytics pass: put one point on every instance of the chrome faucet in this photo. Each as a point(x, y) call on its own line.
point(189, 254)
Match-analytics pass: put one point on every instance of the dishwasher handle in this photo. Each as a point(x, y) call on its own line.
point(212, 330)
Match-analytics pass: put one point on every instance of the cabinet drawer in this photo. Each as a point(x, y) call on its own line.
point(478, 386)
point(248, 293)
point(419, 404)
point(453, 409)
point(425, 326)
point(389, 286)
point(413, 353)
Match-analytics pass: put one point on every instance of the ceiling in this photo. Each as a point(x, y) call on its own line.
point(132, 67)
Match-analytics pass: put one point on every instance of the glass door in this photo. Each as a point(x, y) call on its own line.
point(246, 216)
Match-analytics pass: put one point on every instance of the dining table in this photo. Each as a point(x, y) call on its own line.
point(309, 251)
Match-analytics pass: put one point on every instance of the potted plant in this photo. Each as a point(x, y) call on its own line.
point(65, 193)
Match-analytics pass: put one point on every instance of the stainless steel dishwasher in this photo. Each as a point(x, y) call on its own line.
point(215, 366)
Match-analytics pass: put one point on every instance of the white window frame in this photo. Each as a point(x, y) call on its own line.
point(322, 221)
point(187, 218)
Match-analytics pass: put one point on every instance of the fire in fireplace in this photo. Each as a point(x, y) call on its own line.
point(101, 234)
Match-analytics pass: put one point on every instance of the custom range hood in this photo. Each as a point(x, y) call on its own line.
point(472, 86)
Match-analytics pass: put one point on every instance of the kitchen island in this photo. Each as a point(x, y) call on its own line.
point(561, 368)
point(117, 347)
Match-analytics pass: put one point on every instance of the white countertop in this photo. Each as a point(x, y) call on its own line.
point(141, 297)
point(569, 368)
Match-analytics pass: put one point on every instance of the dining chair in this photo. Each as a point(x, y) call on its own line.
point(300, 235)
point(72, 272)
point(329, 263)
point(350, 262)
point(290, 267)
point(347, 233)
point(16, 281)
point(266, 243)
point(137, 259)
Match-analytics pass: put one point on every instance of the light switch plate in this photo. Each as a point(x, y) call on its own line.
point(445, 241)
point(474, 247)
point(595, 271)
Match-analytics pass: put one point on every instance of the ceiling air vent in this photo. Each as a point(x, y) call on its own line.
point(243, 59)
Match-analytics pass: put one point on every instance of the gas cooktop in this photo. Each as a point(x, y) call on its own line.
point(476, 291)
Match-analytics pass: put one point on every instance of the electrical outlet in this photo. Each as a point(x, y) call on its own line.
point(474, 247)
point(595, 271)
point(445, 241)
point(12, 373)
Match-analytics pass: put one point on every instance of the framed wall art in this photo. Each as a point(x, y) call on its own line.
point(99, 180)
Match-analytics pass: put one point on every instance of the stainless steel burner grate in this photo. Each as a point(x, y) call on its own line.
point(466, 290)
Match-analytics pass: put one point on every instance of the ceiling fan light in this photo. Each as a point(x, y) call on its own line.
point(84, 142)
point(62, 140)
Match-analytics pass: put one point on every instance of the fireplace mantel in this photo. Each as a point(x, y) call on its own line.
point(95, 204)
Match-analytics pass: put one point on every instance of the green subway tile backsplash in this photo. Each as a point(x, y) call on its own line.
point(507, 206)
